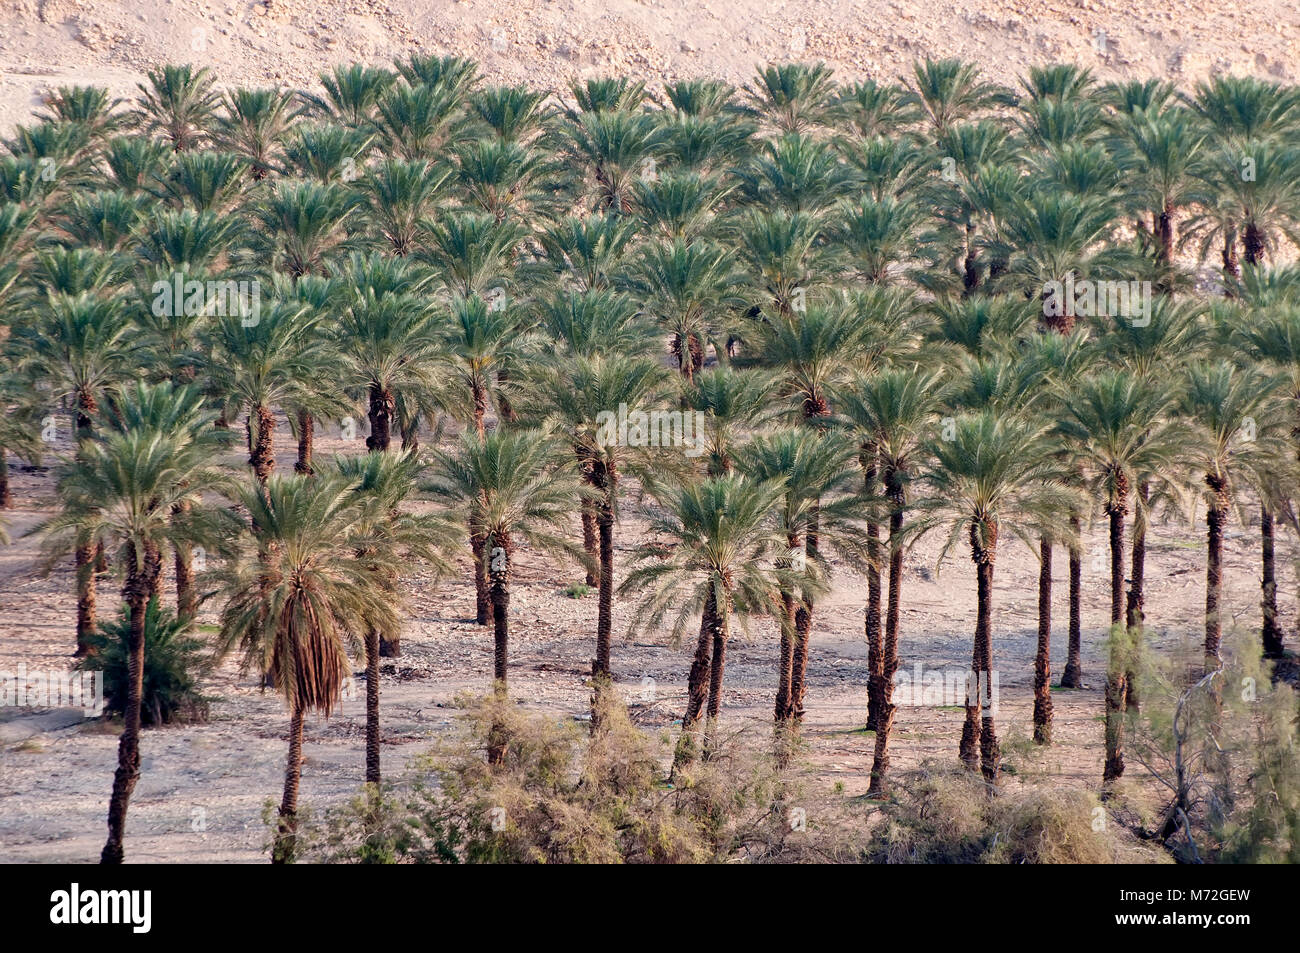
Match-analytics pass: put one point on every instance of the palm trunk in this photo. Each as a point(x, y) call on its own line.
point(1165, 233)
point(286, 834)
point(1216, 519)
point(590, 541)
point(500, 592)
point(135, 593)
point(698, 682)
point(1072, 674)
point(479, 393)
point(482, 596)
point(872, 627)
point(600, 669)
point(715, 685)
point(187, 601)
point(261, 456)
point(6, 496)
point(1136, 594)
point(306, 435)
point(85, 565)
point(1043, 655)
point(979, 722)
point(1118, 667)
point(372, 706)
point(803, 630)
point(885, 718)
point(1272, 631)
point(380, 413)
point(782, 711)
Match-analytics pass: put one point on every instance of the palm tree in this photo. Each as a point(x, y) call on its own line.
point(1121, 432)
point(389, 537)
point(254, 125)
point(179, 102)
point(303, 223)
point(1273, 337)
point(388, 344)
point(1241, 440)
point(583, 396)
point(950, 91)
point(263, 364)
point(122, 489)
point(684, 286)
point(998, 476)
point(80, 347)
point(793, 97)
point(513, 486)
point(816, 510)
point(297, 596)
point(708, 558)
point(893, 410)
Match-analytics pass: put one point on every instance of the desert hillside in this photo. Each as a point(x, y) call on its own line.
point(47, 43)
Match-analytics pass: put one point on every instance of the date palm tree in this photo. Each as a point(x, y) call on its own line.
point(79, 347)
point(390, 537)
point(1241, 440)
point(516, 487)
point(254, 124)
point(179, 103)
point(1122, 432)
point(709, 557)
point(583, 396)
point(998, 476)
point(297, 596)
point(122, 489)
point(894, 410)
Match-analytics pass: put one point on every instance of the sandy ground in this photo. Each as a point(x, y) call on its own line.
point(203, 787)
point(47, 43)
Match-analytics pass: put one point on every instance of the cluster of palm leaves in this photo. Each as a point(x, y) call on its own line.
point(844, 282)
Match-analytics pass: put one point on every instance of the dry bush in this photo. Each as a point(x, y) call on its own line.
point(947, 816)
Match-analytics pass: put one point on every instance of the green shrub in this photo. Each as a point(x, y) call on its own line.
point(174, 661)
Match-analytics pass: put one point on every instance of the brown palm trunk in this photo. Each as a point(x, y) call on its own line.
point(479, 393)
point(261, 456)
point(1216, 520)
point(1117, 668)
point(782, 710)
point(600, 669)
point(1272, 631)
point(286, 834)
point(1043, 655)
point(6, 496)
point(803, 621)
point(380, 413)
point(84, 559)
point(1165, 232)
point(873, 629)
point(979, 722)
point(716, 668)
point(306, 435)
point(1136, 594)
point(1072, 674)
point(885, 717)
point(698, 681)
point(500, 593)
point(187, 601)
point(590, 541)
point(372, 706)
point(482, 596)
point(135, 593)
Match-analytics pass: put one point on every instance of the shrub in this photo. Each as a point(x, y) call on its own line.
point(173, 664)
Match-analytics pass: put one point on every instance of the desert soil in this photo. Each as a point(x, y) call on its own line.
point(204, 787)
